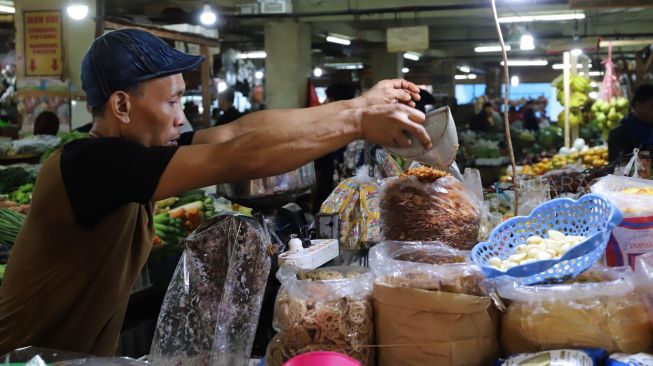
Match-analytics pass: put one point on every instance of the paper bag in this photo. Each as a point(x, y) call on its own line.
point(420, 327)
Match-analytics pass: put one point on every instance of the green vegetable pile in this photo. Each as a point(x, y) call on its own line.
point(13, 178)
point(10, 224)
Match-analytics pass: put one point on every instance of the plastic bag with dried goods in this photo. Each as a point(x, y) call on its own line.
point(211, 309)
point(389, 166)
point(644, 281)
point(326, 309)
point(599, 309)
point(428, 266)
point(634, 236)
point(426, 307)
point(425, 204)
point(356, 201)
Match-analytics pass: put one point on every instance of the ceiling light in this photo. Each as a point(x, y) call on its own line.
point(258, 75)
point(7, 9)
point(492, 48)
point(344, 65)
point(464, 68)
point(405, 70)
point(542, 18)
point(561, 66)
point(593, 95)
point(222, 86)
point(576, 52)
point(411, 56)
point(471, 76)
point(595, 73)
point(208, 16)
point(317, 72)
point(527, 42)
point(460, 77)
point(253, 54)
point(593, 84)
point(338, 40)
point(514, 81)
point(77, 10)
point(526, 63)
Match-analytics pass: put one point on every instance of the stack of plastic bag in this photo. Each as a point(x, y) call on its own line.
point(211, 309)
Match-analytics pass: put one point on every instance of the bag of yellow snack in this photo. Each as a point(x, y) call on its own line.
point(634, 236)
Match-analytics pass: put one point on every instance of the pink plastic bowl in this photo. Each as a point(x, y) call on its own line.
point(322, 359)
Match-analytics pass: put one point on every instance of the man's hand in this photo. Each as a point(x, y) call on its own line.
point(391, 91)
point(389, 125)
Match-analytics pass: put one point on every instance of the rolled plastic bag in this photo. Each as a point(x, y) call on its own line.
point(211, 309)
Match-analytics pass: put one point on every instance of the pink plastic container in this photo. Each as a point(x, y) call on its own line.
point(322, 359)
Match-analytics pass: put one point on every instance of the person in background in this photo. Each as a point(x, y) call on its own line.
point(227, 112)
point(46, 123)
point(636, 130)
point(256, 99)
point(325, 166)
point(484, 120)
point(515, 118)
point(531, 122)
point(192, 112)
point(426, 102)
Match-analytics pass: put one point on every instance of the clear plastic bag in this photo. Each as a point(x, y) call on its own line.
point(330, 309)
point(427, 266)
point(421, 208)
point(211, 309)
point(633, 196)
point(599, 310)
point(356, 201)
point(644, 281)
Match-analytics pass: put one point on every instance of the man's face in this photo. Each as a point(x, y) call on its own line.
point(644, 110)
point(156, 112)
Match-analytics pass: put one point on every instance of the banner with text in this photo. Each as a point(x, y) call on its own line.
point(43, 43)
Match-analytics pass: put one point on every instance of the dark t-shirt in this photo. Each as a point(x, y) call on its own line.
point(86, 238)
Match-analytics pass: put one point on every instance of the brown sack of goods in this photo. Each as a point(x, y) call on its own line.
point(428, 309)
point(327, 309)
point(425, 204)
point(599, 309)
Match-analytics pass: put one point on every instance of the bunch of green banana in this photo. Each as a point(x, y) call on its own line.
point(580, 87)
point(575, 118)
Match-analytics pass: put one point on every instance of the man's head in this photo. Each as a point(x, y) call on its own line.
point(46, 123)
point(133, 83)
point(226, 98)
point(643, 103)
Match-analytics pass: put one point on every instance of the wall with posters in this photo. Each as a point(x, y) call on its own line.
point(46, 86)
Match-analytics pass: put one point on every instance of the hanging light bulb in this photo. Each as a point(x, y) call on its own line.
point(208, 16)
point(77, 10)
point(514, 81)
point(317, 72)
point(527, 42)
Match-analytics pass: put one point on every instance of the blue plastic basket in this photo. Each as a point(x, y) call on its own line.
point(592, 216)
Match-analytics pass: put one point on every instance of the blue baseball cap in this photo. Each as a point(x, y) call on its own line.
point(123, 58)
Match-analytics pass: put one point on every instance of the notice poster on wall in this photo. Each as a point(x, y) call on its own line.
point(43, 43)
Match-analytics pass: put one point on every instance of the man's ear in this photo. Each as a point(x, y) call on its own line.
point(120, 105)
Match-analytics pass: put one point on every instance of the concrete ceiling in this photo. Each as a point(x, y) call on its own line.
point(455, 26)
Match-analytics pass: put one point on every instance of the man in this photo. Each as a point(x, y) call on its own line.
point(325, 166)
point(227, 112)
point(89, 231)
point(636, 130)
point(531, 122)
